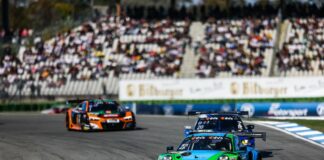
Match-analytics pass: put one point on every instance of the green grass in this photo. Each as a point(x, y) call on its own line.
point(313, 124)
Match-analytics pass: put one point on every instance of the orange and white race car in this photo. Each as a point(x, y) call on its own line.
point(99, 114)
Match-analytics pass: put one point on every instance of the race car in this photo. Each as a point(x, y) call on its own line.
point(214, 146)
point(222, 122)
point(99, 114)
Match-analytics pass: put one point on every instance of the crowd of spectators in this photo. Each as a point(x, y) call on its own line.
point(98, 48)
point(303, 50)
point(160, 51)
point(236, 46)
point(18, 37)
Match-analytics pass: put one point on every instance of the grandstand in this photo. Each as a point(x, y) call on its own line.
point(237, 48)
point(92, 58)
point(302, 52)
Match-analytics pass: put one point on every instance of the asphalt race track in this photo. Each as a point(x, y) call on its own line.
point(36, 137)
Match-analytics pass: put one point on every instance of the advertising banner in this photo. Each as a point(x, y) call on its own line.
point(288, 109)
point(221, 88)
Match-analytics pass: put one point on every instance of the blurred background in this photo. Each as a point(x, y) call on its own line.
point(164, 56)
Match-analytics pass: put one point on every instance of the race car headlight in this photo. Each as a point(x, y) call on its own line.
point(128, 118)
point(223, 158)
point(245, 142)
point(166, 158)
point(94, 126)
point(94, 118)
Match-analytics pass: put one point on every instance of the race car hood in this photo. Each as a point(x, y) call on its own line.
point(104, 115)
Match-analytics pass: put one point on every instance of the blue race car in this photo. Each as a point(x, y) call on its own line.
point(214, 146)
point(222, 122)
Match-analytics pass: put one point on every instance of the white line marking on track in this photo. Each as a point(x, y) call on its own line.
point(307, 133)
point(297, 129)
point(289, 133)
point(287, 125)
point(274, 123)
point(317, 138)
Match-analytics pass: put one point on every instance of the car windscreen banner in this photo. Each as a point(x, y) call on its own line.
point(284, 109)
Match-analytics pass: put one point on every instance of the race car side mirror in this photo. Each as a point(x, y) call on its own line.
point(187, 131)
point(250, 127)
point(122, 114)
point(169, 148)
point(127, 108)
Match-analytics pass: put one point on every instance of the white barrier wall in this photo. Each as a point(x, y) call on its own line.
point(221, 88)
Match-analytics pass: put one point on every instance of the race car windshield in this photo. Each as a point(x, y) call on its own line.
point(219, 125)
point(205, 143)
point(103, 107)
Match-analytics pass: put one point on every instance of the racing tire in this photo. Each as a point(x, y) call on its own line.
point(259, 157)
point(67, 122)
point(250, 156)
point(133, 126)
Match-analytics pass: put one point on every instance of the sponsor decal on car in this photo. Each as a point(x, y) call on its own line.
point(113, 121)
point(111, 115)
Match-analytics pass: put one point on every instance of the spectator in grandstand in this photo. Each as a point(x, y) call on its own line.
point(96, 48)
point(237, 47)
point(302, 51)
point(2, 33)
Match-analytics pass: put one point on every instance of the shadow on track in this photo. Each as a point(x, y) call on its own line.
point(268, 153)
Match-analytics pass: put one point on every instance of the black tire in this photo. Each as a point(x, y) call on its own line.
point(67, 122)
point(250, 156)
point(259, 157)
point(133, 126)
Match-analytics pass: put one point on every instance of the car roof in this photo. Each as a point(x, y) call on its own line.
point(218, 115)
point(222, 114)
point(102, 100)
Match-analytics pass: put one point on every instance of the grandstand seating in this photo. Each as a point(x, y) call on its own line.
point(237, 47)
point(92, 58)
point(303, 50)
point(97, 50)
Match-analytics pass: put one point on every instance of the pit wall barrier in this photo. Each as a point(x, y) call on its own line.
point(28, 107)
point(287, 109)
point(277, 109)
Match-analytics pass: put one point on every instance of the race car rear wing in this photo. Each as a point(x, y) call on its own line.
point(192, 113)
point(262, 135)
point(75, 101)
